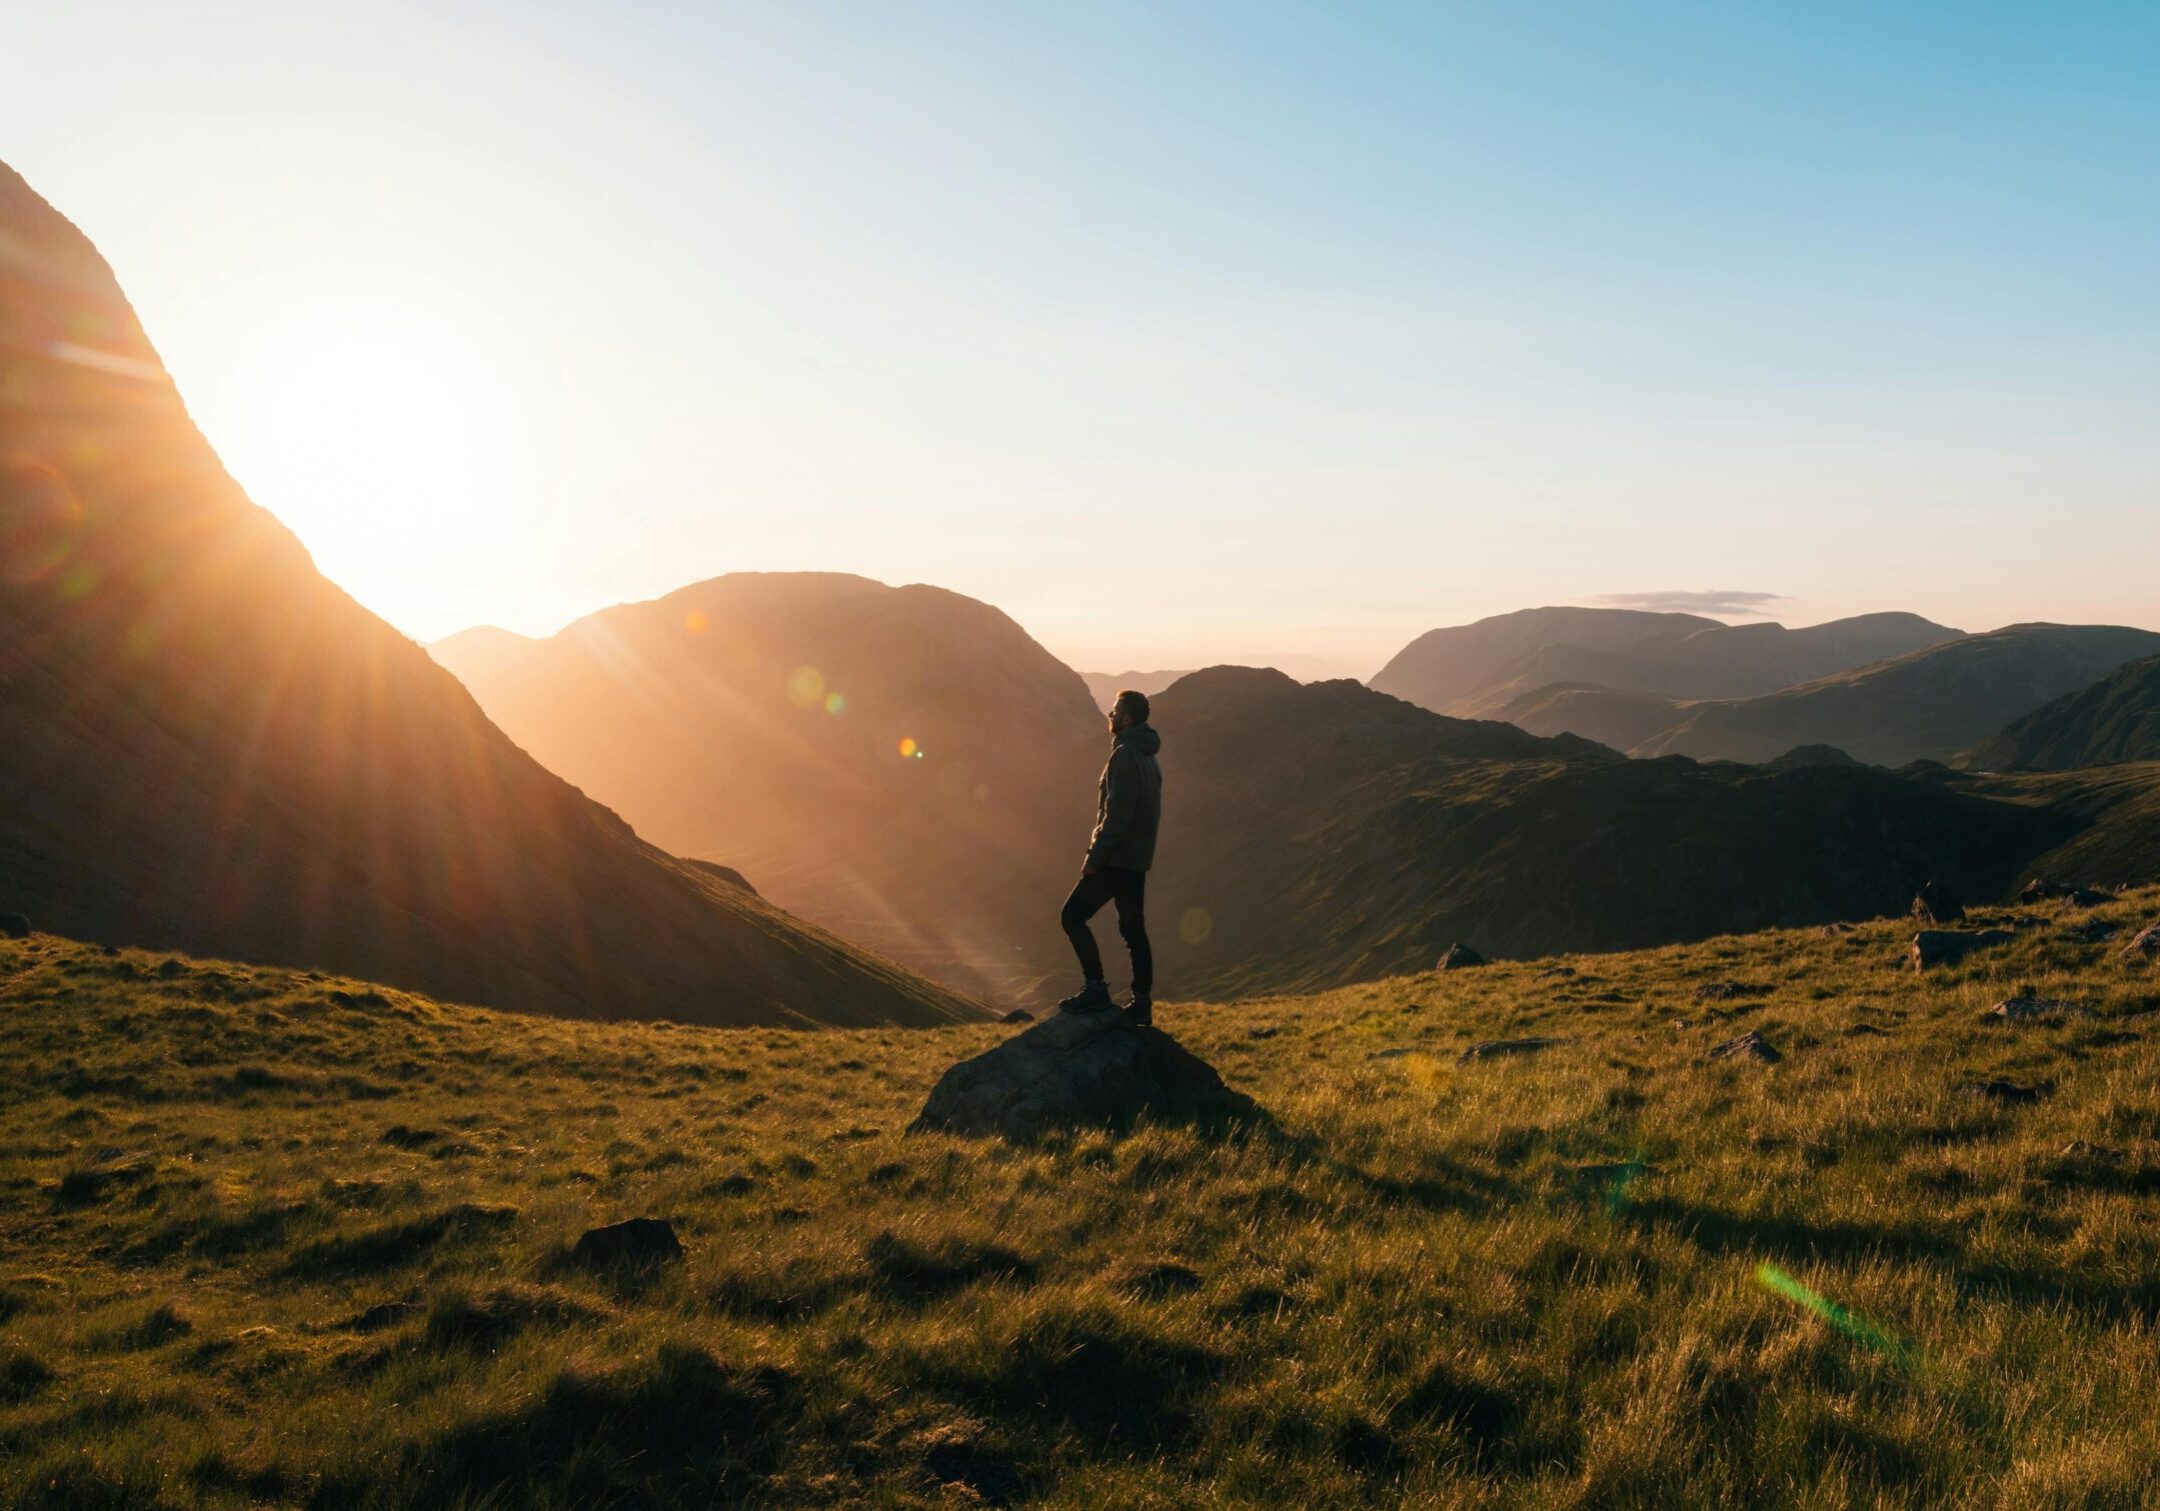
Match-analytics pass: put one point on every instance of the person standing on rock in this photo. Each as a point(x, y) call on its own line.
point(1128, 810)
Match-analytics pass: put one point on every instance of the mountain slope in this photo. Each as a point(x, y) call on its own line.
point(211, 747)
point(1930, 705)
point(1319, 834)
point(759, 718)
point(1474, 670)
point(2115, 719)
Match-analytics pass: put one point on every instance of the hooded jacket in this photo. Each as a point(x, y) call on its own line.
point(1128, 803)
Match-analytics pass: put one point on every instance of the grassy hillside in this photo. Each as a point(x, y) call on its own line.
point(2115, 719)
point(276, 1238)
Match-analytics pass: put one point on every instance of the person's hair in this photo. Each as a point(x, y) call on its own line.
point(1134, 703)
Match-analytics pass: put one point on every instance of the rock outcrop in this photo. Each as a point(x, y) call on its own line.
point(1459, 957)
point(1936, 904)
point(1079, 1071)
point(1949, 946)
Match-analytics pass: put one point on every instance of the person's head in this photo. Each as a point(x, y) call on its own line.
point(1129, 709)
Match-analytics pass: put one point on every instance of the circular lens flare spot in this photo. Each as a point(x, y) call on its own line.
point(835, 704)
point(1196, 926)
point(909, 749)
point(806, 687)
point(695, 621)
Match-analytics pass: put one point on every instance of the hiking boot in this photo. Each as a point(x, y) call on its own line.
point(1092, 998)
point(1140, 1013)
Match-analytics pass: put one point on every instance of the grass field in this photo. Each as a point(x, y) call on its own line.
point(271, 1238)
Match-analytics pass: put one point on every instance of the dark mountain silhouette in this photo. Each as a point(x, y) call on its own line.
point(1104, 687)
point(210, 747)
point(1930, 705)
point(759, 719)
point(2115, 719)
point(1476, 670)
point(1319, 834)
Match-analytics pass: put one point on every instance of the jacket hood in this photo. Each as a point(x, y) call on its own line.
point(1142, 737)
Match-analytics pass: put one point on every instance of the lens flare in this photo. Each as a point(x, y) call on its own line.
point(1196, 926)
point(695, 621)
point(909, 750)
point(835, 704)
point(1778, 1283)
point(806, 687)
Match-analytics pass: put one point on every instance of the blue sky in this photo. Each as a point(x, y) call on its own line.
point(1183, 333)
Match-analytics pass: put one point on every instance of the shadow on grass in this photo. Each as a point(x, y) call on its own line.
point(1793, 1240)
point(393, 1245)
point(682, 1429)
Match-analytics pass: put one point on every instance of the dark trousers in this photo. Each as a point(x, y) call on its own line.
point(1128, 889)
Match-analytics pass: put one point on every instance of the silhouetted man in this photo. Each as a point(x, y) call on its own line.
point(1128, 809)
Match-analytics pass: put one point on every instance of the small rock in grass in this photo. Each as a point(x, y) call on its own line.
point(1018, 1015)
point(2146, 946)
point(639, 1243)
point(2079, 1148)
point(1494, 1049)
point(2025, 1007)
point(1749, 1046)
point(2009, 1093)
point(1728, 991)
point(1459, 957)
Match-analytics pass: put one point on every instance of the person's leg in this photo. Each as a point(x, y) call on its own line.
point(1131, 897)
point(1088, 896)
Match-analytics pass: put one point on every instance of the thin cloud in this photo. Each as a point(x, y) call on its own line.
point(1681, 601)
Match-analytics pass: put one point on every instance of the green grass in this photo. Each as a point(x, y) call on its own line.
point(271, 1238)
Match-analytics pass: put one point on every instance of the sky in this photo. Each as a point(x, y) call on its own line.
point(1183, 333)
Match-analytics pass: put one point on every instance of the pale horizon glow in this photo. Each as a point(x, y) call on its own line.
point(1183, 335)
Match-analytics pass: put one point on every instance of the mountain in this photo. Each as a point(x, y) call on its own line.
point(210, 747)
point(1319, 834)
point(1930, 705)
point(1104, 687)
point(1621, 720)
point(903, 765)
point(1475, 670)
point(2115, 719)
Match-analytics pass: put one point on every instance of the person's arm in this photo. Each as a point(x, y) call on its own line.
point(1118, 804)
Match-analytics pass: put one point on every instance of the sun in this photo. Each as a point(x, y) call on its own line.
point(386, 440)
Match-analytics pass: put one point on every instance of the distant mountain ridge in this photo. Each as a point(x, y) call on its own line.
point(2115, 719)
point(210, 747)
point(1475, 670)
point(1104, 687)
point(1930, 705)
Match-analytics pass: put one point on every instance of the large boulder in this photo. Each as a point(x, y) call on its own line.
point(1077, 1071)
point(1949, 946)
point(1936, 904)
point(1459, 957)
